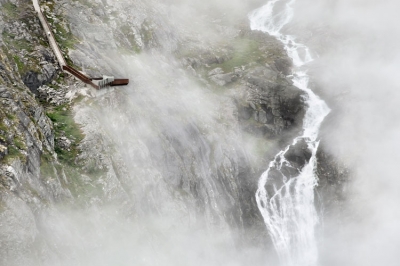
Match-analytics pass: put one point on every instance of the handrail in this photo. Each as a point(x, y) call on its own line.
point(119, 82)
point(80, 76)
point(57, 51)
point(51, 37)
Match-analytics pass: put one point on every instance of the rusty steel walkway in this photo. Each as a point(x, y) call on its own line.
point(101, 82)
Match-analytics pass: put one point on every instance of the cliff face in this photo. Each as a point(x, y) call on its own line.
point(26, 132)
point(184, 144)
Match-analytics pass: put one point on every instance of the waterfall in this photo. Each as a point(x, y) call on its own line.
point(287, 204)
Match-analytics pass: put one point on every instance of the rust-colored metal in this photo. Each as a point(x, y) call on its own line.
point(103, 82)
point(119, 82)
point(88, 80)
point(80, 76)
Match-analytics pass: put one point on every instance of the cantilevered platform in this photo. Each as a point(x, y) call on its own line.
point(102, 82)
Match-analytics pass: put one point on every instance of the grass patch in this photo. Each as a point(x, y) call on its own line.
point(245, 51)
point(22, 45)
point(18, 45)
point(3, 127)
point(11, 116)
point(65, 39)
point(19, 63)
point(10, 10)
point(82, 188)
point(147, 32)
point(13, 153)
point(127, 32)
point(19, 143)
point(65, 125)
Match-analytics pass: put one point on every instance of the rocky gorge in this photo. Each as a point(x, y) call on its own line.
point(169, 161)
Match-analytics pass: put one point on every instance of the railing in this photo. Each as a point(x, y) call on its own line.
point(103, 82)
point(52, 39)
point(80, 76)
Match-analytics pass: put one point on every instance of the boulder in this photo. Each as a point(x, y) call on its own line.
point(299, 154)
point(34, 80)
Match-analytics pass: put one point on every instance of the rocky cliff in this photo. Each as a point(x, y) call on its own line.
point(178, 151)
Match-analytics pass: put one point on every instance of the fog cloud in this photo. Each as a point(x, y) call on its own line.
point(357, 71)
point(357, 48)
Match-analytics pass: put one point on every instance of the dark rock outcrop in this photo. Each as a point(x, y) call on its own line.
point(33, 80)
point(298, 155)
point(275, 108)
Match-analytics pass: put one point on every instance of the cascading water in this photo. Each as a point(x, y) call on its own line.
point(288, 208)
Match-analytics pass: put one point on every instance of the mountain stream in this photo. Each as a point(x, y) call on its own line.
point(287, 206)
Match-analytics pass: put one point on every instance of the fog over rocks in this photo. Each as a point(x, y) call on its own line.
point(164, 171)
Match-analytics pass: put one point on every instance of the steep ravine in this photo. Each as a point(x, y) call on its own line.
point(175, 156)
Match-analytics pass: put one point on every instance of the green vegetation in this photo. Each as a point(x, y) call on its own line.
point(14, 148)
point(65, 125)
point(127, 32)
point(10, 10)
point(19, 143)
point(80, 181)
point(83, 187)
point(21, 44)
point(19, 63)
point(63, 35)
point(46, 168)
point(147, 32)
point(11, 116)
point(12, 47)
point(245, 51)
point(65, 39)
point(3, 127)
point(14, 153)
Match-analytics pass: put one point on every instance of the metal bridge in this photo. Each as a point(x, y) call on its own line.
point(103, 82)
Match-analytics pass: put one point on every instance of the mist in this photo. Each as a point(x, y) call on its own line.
point(358, 47)
point(180, 174)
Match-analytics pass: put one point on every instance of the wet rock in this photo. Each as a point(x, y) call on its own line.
point(275, 102)
point(298, 155)
point(224, 79)
point(244, 112)
point(261, 117)
point(333, 176)
point(290, 171)
point(283, 65)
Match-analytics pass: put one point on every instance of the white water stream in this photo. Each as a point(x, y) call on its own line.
point(288, 210)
